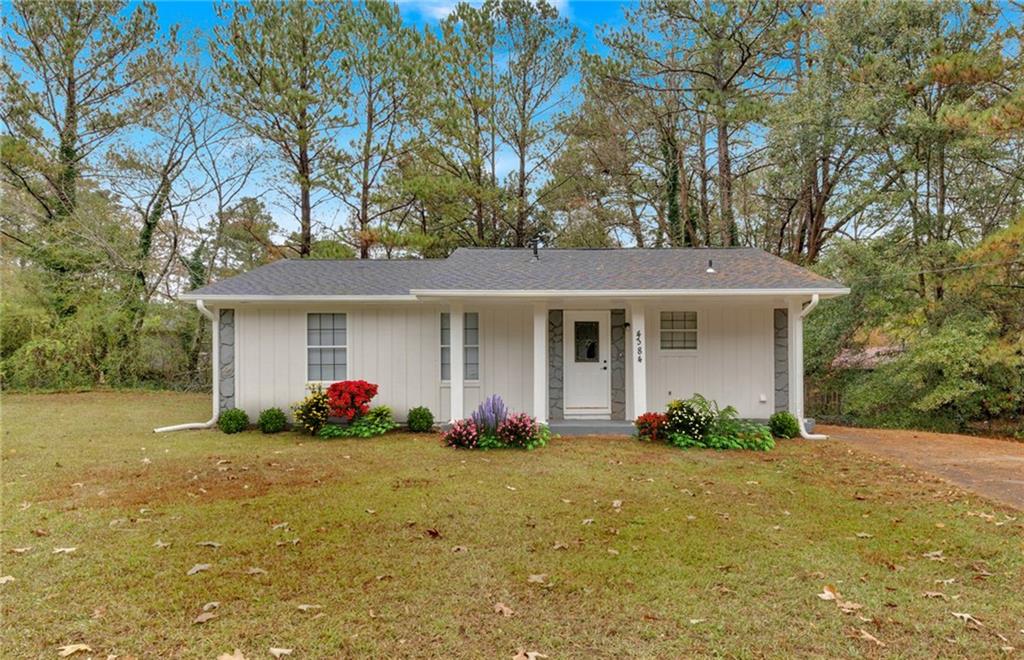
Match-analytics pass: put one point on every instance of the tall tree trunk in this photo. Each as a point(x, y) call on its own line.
point(725, 182)
point(705, 205)
point(305, 206)
point(68, 153)
point(364, 180)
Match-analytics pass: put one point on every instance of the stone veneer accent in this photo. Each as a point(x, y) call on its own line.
point(226, 338)
point(556, 401)
point(781, 359)
point(618, 363)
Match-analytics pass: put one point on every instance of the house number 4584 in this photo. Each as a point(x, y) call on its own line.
point(639, 347)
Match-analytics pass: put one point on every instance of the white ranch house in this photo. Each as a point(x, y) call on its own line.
point(570, 334)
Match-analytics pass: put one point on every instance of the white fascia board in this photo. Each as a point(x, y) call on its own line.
point(620, 293)
point(226, 298)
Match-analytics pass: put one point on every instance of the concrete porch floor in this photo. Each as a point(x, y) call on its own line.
point(565, 427)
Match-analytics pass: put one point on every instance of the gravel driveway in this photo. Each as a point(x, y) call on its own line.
point(989, 467)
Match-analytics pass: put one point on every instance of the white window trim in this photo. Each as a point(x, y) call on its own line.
point(679, 352)
point(446, 382)
point(309, 346)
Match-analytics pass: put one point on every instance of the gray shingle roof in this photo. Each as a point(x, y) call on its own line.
point(496, 269)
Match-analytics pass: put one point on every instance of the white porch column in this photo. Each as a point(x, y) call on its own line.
point(540, 362)
point(796, 360)
point(458, 350)
point(637, 339)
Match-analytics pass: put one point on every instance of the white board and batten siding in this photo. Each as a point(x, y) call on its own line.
point(396, 346)
point(733, 363)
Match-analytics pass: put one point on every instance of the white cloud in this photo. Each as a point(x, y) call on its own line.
point(437, 10)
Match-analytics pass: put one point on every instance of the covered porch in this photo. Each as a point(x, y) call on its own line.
point(593, 362)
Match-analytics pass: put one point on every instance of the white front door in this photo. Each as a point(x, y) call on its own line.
point(587, 351)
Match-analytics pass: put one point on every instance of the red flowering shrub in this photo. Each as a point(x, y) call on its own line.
point(521, 431)
point(463, 434)
point(651, 426)
point(350, 398)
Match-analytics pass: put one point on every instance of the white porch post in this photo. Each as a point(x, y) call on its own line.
point(796, 360)
point(540, 362)
point(458, 360)
point(637, 339)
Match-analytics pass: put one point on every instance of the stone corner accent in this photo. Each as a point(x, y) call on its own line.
point(226, 359)
point(556, 398)
point(781, 361)
point(618, 363)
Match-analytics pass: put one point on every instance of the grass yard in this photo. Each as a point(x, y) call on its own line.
point(404, 547)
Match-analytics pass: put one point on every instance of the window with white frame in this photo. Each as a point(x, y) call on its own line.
point(470, 343)
point(679, 331)
point(326, 347)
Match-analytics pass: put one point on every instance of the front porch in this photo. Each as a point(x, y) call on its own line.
point(576, 427)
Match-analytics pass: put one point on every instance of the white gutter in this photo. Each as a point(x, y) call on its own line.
point(815, 299)
point(216, 379)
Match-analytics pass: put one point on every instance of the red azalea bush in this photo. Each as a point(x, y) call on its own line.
point(463, 434)
point(350, 398)
point(651, 426)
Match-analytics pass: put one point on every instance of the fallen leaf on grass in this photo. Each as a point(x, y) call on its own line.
point(459, 548)
point(19, 551)
point(294, 541)
point(934, 555)
point(539, 578)
point(64, 551)
point(282, 525)
point(616, 504)
point(565, 501)
point(161, 544)
point(559, 546)
point(864, 535)
point(502, 609)
point(528, 655)
point(212, 605)
point(255, 570)
point(371, 511)
point(5, 579)
point(433, 533)
point(40, 532)
point(307, 608)
point(934, 594)
point(828, 593)
point(209, 544)
point(588, 521)
point(694, 622)
point(237, 655)
point(204, 617)
point(199, 568)
point(613, 551)
point(868, 637)
point(277, 653)
point(71, 649)
point(510, 487)
point(967, 618)
point(946, 581)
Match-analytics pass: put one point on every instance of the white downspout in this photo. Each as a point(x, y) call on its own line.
point(798, 340)
point(216, 379)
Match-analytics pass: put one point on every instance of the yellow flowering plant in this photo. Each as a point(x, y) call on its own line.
point(312, 412)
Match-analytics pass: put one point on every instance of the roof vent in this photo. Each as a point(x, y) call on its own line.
point(710, 269)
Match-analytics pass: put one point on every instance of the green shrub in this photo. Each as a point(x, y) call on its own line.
point(312, 412)
point(784, 425)
point(682, 441)
point(272, 420)
point(233, 420)
point(722, 428)
point(421, 420)
point(377, 421)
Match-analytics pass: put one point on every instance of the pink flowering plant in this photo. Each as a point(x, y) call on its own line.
point(493, 427)
point(522, 432)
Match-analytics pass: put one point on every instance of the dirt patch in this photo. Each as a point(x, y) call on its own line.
point(989, 467)
point(176, 481)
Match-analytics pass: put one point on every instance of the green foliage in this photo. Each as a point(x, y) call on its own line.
point(420, 420)
point(312, 412)
point(233, 420)
point(272, 420)
point(378, 421)
point(716, 428)
point(784, 425)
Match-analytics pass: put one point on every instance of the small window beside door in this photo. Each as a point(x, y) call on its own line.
point(679, 331)
point(470, 343)
point(586, 337)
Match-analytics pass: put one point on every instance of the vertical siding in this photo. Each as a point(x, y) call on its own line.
point(270, 358)
point(732, 365)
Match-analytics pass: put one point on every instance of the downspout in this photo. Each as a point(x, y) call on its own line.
point(216, 378)
point(815, 299)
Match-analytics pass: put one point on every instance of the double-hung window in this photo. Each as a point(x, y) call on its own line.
point(470, 346)
point(679, 331)
point(326, 347)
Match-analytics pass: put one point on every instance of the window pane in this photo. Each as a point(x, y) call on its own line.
point(689, 340)
point(472, 321)
point(472, 367)
point(472, 337)
point(339, 338)
point(313, 321)
point(446, 363)
point(446, 329)
point(586, 333)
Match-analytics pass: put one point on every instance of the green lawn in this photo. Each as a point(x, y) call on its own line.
point(405, 546)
